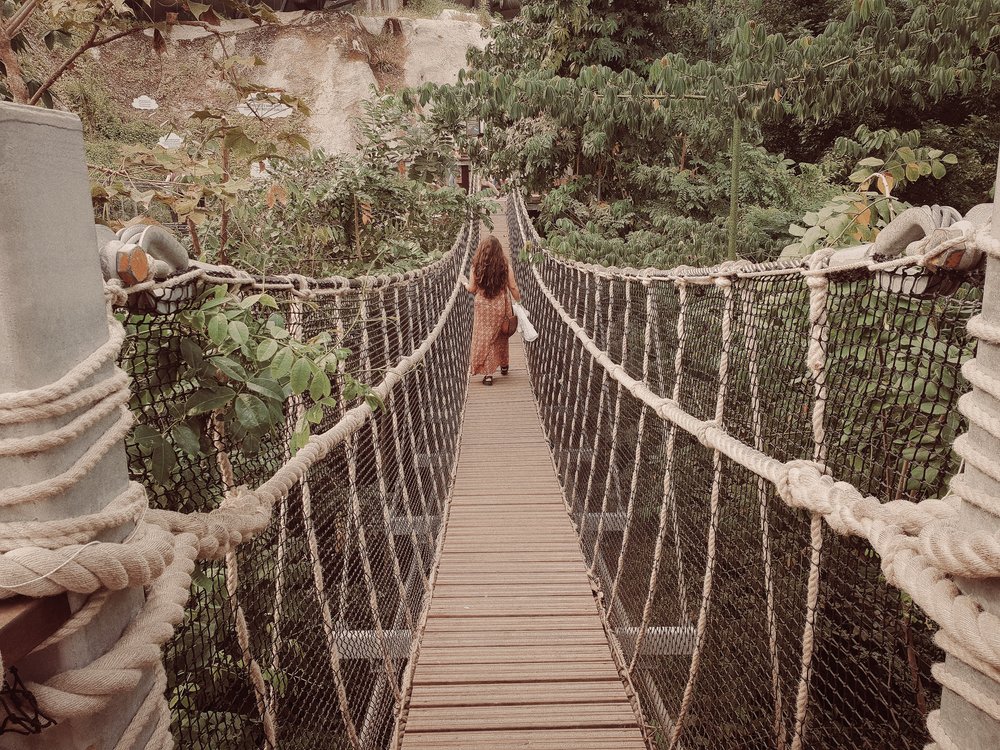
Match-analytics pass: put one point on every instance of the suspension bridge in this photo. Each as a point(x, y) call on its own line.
point(739, 506)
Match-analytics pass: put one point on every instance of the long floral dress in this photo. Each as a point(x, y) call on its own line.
point(490, 349)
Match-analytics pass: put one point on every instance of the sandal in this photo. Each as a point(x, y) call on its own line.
point(504, 369)
point(488, 380)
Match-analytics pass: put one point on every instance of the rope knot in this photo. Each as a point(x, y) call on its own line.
point(985, 241)
point(115, 294)
point(302, 288)
point(723, 281)
point(793, 480)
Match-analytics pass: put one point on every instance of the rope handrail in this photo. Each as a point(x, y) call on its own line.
point(294, 284)
point(971, 238)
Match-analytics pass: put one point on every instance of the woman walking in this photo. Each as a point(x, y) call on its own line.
point(492, 277)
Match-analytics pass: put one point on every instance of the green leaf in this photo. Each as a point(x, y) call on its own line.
point(299, 438)
point(266, 349)
point(938, 170)
point(282, 362)
point(230, 368)
point(239, 332)
point(209, 399)
point(949, 159)
point(218, 328)
point(145, 437)
point(252, 412)
point(320, 386)
point(162, 459)
point(186, 439)
point(314, 414)
point(266, 387)
point(300, 375)
point(191, 352)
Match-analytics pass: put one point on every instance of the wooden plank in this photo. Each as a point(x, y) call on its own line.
point(565, 739)
point(516, 654)
point(25, 623)
point(544, 671)
point(539, 716)
point(519, 693)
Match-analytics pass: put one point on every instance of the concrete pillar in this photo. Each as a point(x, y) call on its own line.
point(970, 728)
point(52, 316)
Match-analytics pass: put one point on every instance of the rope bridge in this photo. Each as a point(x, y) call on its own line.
point(751, 456)
point(700, 419)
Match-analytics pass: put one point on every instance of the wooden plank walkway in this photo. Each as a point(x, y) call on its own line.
point(514, 654)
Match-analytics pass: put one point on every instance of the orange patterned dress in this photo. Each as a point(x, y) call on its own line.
point(490, 348)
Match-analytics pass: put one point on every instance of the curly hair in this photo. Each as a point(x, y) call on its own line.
point(490, 266)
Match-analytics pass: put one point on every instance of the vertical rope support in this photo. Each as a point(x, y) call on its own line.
point(319, 581)
point(605, 386)
point(296, 410)
point(614, 429)
point(422, 390)
point(706, 593)
point(640, 431)
point(816, 363)
point(666, 506)
point(232, 589)
point(748, 300)
point(357, 520)
point(567, 426)
point(390, 538)
point(410, 429)
point(404, 491)
point(580, 430)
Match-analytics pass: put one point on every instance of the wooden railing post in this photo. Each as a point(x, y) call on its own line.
point(967, 726)
point(52, 316)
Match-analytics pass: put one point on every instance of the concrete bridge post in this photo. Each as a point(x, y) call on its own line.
point(52, 316)
point(964, 683)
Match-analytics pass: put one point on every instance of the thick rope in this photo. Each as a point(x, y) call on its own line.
point(714, 513)
point(667, 506)
point(640, 430)
point(816, 364)
point(763, 496)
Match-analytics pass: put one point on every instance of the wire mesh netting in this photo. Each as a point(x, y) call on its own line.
point(331, 591)
point(677, 534)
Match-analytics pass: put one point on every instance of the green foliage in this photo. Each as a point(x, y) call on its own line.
point(856, 217)
point(239, 364)
point(635, 102)
point(340, 215)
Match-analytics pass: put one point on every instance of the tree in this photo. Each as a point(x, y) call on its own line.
point(83, 25)
point(626, 140)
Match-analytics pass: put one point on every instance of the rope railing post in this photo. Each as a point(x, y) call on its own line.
point(566, 425)
point(640, 431)
point(816, 364)
point(578, 425)
point(411, 430)
point(54, 319)
point(615, 420)
point(356, 521)
point(668, 509)
point(402, 492)
point(969, 717)
point(763, 496)
point(726, 284)
point(595, 449)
